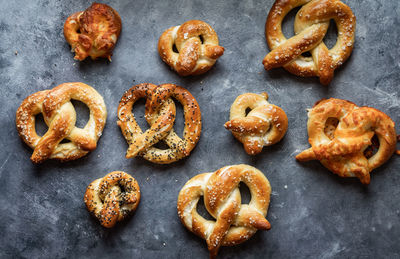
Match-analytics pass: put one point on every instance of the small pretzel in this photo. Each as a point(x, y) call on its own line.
point(310, 26)
point(93, 32)
point(160, 115)
point(112, 198)
point(264, 125)
point(234, 222)
point(196, 44)
point(60, 116)
point(342, 147)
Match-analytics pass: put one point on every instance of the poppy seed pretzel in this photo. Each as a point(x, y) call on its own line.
point(234, 222)
point(264, 125)
point(112, 198)
point(160, 114)
point(93, 32)
point(197, 46)
point(60, 117)
point(342, 147)
point(310, 26)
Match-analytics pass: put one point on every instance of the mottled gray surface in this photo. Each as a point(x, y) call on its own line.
point(312, 212)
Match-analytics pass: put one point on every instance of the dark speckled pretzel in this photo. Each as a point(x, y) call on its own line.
point(160, 115)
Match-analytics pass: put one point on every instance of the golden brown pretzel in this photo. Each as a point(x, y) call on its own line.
point(234, 222)
point(310, 26)
point(197, 46)
point(264, 125)
point(60, 116)
point(160, 114)
point(340, 133)
point(112, 198)
point(93, 32)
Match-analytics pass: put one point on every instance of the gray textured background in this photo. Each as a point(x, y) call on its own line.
point(318, 214)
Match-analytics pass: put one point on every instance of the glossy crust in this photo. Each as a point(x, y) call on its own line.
point(264, 125)
point(234, 222)
point(110, 203)
point(310, 26)
point(60, 117)
point(160, 115)
point(197, 46)
point(343, 149)
point(93, 32)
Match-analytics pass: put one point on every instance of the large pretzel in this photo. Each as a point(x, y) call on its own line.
point(93, 32)
point(160, 114)
point(112, 198)
point(234, 222)
point(264, 125)
point(60, 116)
point(196, 44)
point(342, 146)
point(310, 26)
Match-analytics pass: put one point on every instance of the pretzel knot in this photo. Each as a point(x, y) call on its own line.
point(60, 117)
point(234, 222)
point(93, 32)
point(310, 26)
point(196, 44)
point(341, 134)
point(264, 125)
point(112, 198)
point(160, 114)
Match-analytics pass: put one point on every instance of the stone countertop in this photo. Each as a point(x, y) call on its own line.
point(313, 212)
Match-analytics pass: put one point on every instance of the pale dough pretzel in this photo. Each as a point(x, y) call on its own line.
point(310, 26)
point(60, 116)
point(342, 148)
point(160, 114)
point(112, 198)
point(93, 32)
point(234, 222)
point(197, 46)
point(264, 125)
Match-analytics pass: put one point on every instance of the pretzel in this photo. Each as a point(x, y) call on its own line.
point(112, 198)
point(196, 44)
point(264, 125)
point(160, 115)
point(340, 133)
point(310, 26)
point(234, 222)
point(93, 32)
point(60, 116)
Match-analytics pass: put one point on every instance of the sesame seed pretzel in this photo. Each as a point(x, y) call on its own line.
point(310, 26)
point(197, 46)
point(160, 114)
point(60, 117)
point(342, 146)
point(112, 198)
point(264, 125)
point(234, 222)
point(93, 32)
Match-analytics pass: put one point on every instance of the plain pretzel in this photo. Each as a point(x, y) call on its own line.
point(310, 26)
point(234, 222)
point(60, 117)
point(342, 148)
point(160, 114)
point(196, 44)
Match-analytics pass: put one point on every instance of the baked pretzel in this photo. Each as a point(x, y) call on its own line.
point(112, 198)
point(160, 114)
point(340, 133)
point(310, 26)
point(196, 44)
point(93, 32)
point(234, 222)
point(264, 125)
point(60, 116)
